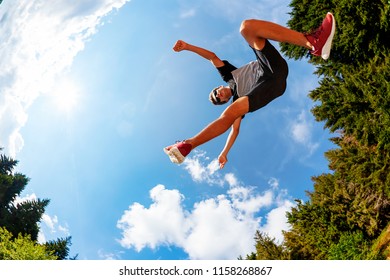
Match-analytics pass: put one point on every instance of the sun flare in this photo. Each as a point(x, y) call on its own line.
point(67, 97)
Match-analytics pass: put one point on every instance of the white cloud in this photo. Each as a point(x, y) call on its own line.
point(301, 132)
point(50, 229)
point(221, 227)
point(188, 13)
point(301, 129)
point(277, 221)
point(19, 200)
point(219, 231)
point(203, 173)
point(162, 223)
point(246, 202)
point(50, 222)
point(39, 41)
point(231, 179)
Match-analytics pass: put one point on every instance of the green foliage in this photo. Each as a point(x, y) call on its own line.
point(362, 176)
point(22, 219)
point(382, 244)
point(348, 212)
point(17, 217)
point(352, 246)
point(11, 185)
point(22, 248)
point(60, 247)
point(267, 249)
point(357, 102)
point(313, 231)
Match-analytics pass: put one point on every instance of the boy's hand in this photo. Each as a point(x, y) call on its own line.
point(222, 161)
point(179, 46)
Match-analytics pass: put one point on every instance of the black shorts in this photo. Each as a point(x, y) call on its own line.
point(272, 83)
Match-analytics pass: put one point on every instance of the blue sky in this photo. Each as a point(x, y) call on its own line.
point(91, 92)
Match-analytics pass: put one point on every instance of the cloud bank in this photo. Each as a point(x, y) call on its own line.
point(39, 41)
point(220, 227)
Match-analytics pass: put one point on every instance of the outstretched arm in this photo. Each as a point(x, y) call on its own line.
point(229, 142)
point(212, 57)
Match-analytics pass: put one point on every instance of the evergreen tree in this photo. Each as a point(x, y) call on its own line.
point(267, 249)
point(348, 212)
point(17, 217)
point(353, 246)
point(21, 220)
point(353, 98)
point(60, 248)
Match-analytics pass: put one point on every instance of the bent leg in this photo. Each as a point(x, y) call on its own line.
point(256, 31)
point(236, 110)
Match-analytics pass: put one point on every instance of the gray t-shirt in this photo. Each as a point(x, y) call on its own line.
point(246, 77)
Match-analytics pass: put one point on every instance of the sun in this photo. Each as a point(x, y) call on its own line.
point(66, 97)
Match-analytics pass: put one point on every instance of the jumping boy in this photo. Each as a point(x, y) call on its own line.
point(254, 85)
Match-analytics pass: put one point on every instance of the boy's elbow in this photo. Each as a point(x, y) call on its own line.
point(213, 58)
point(216, 61)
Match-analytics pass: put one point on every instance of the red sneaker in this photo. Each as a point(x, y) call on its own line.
point(178, 151)
point(322, 37)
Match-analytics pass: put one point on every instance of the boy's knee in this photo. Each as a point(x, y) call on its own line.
point(246, 27)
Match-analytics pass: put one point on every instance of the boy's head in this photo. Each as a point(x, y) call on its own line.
point(220, 95)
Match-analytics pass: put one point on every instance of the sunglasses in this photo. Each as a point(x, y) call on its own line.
point(215, 96)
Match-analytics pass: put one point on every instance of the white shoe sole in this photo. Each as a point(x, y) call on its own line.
point(328, 44)
point(174, 155)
